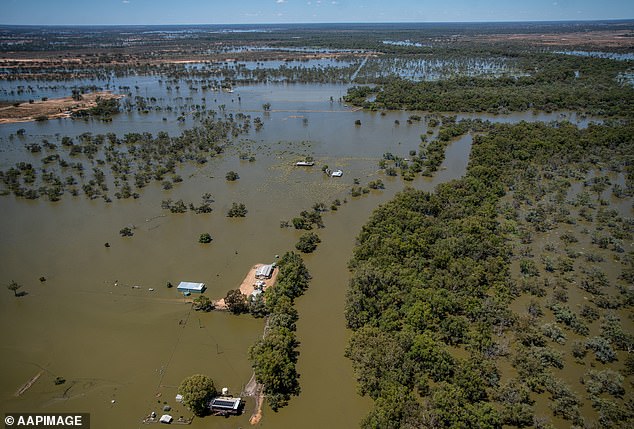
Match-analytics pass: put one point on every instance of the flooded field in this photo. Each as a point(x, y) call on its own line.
point(437, 68)
point(123, 348)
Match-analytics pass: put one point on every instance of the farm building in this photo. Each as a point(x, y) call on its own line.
point(191, 287)
point(264, 272)
point(224, 405)
point(166, 418)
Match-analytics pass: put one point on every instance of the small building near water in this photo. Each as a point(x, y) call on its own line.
point(166, 418)
point(226, 405)
point(264, 272)
point(191, 287)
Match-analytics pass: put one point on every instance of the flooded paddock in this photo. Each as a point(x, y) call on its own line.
point(123, 348)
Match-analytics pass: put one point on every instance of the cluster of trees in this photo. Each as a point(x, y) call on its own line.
point(432, 284)
point(95, 164)
point(179, 206)
point(274, 357)
point(431, 154)
point(308, 219)
point(105, 108)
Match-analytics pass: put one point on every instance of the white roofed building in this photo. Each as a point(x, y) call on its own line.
point(264, 272)
point(191, 287)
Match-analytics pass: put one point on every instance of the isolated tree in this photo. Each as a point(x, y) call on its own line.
point(14, 286)
point(232, 176)
point(237, 210)
point(204, 238)
point(126, 232)
point(236, 302)
point(202, 303)
point(308, 242)
point(197, 391)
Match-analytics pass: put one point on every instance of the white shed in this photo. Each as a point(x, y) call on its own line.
point(264, 272)
point(191, 287)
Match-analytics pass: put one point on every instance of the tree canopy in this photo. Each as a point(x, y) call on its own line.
point(197, 391)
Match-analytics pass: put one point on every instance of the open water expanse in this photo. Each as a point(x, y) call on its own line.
point(123, 350)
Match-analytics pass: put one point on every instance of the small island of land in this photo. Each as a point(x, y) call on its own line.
point(45, 109)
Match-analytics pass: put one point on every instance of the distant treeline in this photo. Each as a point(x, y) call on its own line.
point(201, 37)
point(554, 82)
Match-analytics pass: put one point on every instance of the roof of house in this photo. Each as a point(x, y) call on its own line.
point(225, 403)
point(191, 286)
point(264, 270)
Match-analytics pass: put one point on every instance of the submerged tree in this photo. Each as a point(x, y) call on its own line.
point(14, 286)
point(204, 238)
point(237, 210)
point(202, 303)
point(197, 391)
point(308, 242)
point(126, 232)
point(232, 176)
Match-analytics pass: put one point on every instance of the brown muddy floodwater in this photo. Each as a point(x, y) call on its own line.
point(122, 348)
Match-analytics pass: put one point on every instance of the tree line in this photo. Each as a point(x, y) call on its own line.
point(274, 357)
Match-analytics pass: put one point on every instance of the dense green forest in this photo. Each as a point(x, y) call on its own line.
point(457, 324)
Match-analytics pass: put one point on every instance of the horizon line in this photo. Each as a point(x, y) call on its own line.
point(323, 23)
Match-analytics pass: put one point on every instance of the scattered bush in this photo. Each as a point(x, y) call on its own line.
point(204, 238)
point(232, 176)
point(237, 210)
point(126, 232)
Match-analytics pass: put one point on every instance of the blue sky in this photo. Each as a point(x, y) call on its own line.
point(61, 12)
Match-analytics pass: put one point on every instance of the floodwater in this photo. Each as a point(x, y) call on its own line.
point(438, 68)
point(122, 348)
